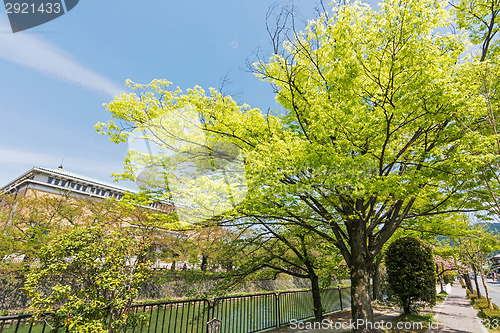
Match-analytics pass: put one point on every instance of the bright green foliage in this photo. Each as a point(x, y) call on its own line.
point(473, 250)
point(372, 131)
point(481, 81)
point(411, 273)
point(88, 278)
point(367, 137)
point(448, 277)
point(481, 20)
point(293, 251)
point(28, 223)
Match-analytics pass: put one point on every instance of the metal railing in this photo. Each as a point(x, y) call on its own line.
point(171, 317)
point(235, 314)
point(250, 313)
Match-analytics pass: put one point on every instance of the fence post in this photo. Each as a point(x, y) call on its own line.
point(278, 316)
point(211, 306)
point(213, 326)
point(340, 297)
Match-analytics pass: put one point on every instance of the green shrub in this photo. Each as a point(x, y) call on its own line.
point(491, 314)
point(470, 295)
point(481, 303)
point(96, 257)
point(411, 274)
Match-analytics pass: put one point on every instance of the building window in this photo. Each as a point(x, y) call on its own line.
point(78, 187)
point(98, 192)
point(63, 183)
point(50, 180)
point(72, 185)
point(56, 182)
point(84, 188)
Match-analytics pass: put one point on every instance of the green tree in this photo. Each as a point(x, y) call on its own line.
point(87, 279)
point(289, 250)
point(480, 19)
point(437, 230)
point(370, 134)
point(77, 257)
point(473, 250)
point(411, 273)
point(27, 223)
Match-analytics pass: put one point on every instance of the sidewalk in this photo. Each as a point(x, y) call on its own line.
point(456, 315)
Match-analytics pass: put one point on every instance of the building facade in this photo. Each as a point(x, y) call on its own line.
point(59, 181)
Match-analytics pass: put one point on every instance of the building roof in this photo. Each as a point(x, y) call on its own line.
point(29, 178)
point(66, 173)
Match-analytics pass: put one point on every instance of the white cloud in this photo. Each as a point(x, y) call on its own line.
point(33, 52)
point(234, 44)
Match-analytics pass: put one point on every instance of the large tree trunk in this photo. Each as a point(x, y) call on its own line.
point(377, 287)
point(361, 306)
point(360, 266)
point(318, 307)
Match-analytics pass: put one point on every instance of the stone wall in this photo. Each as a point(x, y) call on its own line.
point(184, 285)
point(162, 285)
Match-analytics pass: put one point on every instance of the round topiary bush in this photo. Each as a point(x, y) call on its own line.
point(411, 273)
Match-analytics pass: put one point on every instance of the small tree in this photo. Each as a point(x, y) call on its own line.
point(411, 273)
point(292, 251)
point(472, 251)
point(87, 279)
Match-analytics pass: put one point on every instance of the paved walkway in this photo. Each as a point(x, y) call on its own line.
point(456, 315)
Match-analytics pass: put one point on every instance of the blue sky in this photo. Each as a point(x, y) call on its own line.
point(55, 77)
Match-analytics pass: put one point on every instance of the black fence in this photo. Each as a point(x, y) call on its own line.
point(234, 314)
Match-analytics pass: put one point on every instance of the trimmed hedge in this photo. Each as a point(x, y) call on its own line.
point(490, 314)
point(470, 295)
point(411, 273)
point(482, 305)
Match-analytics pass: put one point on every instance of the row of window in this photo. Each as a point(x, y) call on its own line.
point(83, 188)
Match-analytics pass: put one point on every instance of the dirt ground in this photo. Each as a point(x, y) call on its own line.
point(383, 314)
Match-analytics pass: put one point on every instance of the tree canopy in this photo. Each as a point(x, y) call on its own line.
point(378, 123)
